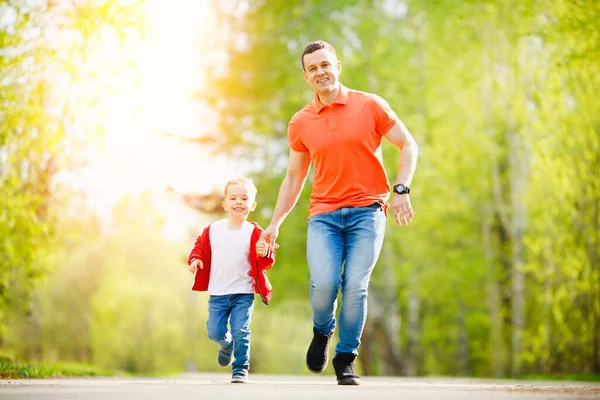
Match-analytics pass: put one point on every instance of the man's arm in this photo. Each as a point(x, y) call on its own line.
point(289, 192)
point(400, 137)
point(291, 187)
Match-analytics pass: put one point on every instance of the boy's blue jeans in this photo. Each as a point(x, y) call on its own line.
point(342, 249)
point(237, 308)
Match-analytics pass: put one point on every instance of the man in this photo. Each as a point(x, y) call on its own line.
point(340, 132)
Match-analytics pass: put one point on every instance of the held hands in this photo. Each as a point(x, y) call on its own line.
point(267, 238)
point(195, 265)
point(262, 248)
point(403, 212)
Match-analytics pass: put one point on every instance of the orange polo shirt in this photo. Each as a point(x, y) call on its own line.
point(344, 143)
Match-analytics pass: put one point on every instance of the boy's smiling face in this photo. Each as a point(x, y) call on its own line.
point(239, 201)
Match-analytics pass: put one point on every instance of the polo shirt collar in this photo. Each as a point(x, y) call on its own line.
point(342, 98)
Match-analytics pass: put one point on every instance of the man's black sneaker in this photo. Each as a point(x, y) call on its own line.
point(316, 356)
point(344, 366)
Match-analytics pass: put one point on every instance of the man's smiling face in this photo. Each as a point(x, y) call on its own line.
point(322, 70)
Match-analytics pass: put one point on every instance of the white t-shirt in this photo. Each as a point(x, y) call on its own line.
point(230, 265)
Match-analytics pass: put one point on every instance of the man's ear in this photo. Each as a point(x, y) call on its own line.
point(305, 76)
point(339, 67)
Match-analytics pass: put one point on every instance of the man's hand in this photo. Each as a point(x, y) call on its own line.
point(195, 265)
point(403, 212)
point(268, 236)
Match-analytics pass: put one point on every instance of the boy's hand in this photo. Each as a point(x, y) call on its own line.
point(262, 248)
point(195, 265)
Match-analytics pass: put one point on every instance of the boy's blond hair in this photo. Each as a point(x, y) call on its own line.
point(241, 181)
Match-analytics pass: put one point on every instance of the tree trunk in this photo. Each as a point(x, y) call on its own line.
point(549, 271)
point(384, 322)
point(463, 340)
point(497, 347)
point(412, 345)
point(593, 247)
point(519, 179)
point(392, 322)
point(366, 357)
point(518, 187)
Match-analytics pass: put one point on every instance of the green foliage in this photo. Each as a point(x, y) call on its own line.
point(121, 300)
point(34, 145)
point(499, 97)
point(124, 309)
point(137, 295)
point(10, 369)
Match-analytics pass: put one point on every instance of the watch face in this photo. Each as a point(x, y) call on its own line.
point(400, 189)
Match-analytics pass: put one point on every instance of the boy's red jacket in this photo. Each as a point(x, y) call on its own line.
point(258, 265)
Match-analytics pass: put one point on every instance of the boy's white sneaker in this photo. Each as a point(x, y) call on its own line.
point(239, 377)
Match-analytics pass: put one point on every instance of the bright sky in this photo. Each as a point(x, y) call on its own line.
point(154, 94)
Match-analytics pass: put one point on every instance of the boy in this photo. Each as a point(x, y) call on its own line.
point(230, 263)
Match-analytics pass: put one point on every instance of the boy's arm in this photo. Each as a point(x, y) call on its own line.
point(197, 252)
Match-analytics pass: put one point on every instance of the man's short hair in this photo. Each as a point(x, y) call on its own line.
point(241, 181)
point(314, 46)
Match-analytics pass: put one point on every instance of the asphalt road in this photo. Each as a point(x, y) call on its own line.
point(271, 387)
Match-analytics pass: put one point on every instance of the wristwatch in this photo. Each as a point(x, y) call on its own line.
point(401, 189)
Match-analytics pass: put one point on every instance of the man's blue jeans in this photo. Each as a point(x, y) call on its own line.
point(342, 249)
point(239, 307)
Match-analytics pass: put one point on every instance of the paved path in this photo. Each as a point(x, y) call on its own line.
point(275, 387)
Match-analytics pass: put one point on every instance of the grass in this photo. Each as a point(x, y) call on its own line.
point(564, 377)
point(10, 369)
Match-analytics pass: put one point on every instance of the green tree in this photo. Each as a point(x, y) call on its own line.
point(43, 45)
point(489, 91)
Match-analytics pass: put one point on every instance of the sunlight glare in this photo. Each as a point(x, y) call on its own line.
point(153, 96)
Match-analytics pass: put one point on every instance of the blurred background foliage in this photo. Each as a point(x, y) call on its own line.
point(499, 274)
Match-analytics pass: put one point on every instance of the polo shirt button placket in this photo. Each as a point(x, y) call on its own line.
point(331, 124)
